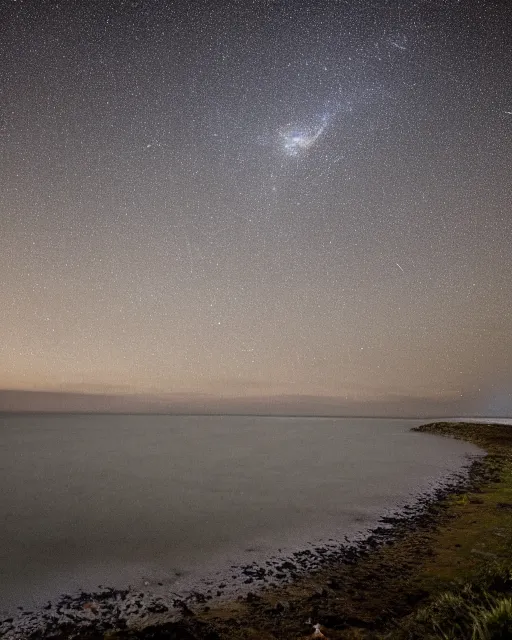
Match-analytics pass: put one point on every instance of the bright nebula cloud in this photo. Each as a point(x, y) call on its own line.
point(295, 140)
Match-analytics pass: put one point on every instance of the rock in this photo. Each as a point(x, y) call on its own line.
point(485, 554)
point(157, 607)
point(252, 597)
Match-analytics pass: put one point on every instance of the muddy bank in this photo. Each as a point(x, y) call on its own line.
point(351, 590)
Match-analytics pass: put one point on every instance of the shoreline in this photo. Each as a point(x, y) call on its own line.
point(335, 587)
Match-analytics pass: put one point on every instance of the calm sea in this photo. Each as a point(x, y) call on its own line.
point(117, 500)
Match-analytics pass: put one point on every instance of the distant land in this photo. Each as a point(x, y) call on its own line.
point(21, 401)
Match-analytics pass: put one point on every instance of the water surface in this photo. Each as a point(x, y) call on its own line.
point(117, 500)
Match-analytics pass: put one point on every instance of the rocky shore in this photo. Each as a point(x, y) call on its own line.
point(351, 590)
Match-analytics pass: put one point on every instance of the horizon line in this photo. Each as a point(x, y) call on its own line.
point(245, 415)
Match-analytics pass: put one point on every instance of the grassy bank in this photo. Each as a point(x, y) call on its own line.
point(468, 578)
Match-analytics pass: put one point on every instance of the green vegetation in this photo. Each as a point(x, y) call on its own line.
point(469, 575)
point(478, 610)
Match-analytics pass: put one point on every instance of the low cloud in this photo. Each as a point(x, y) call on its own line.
point(284, 404)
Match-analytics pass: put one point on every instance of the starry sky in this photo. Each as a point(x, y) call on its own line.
point(300, 205)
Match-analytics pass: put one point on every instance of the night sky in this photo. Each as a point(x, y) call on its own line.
point(251, 199)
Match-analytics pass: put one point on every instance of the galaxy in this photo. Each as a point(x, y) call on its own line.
point(258, 206)
point(297, 140)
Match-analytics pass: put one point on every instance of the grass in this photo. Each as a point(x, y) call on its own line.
point(480, 609)
point(469, 574)
point(479, 527)
point(479, 530)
